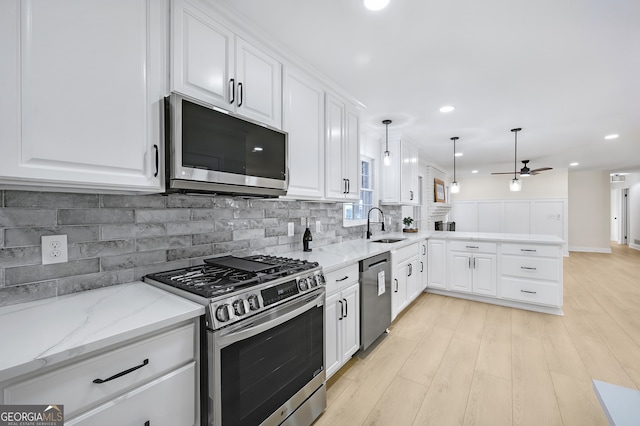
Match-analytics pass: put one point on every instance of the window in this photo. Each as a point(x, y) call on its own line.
point(356, 213)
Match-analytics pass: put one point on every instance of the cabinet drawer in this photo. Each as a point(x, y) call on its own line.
point(530, 291)
point(531, 250)
point(473, 246)
point(341, 277)
point(73, 386)
point(166, 401)
point(528, 267)
point(404, 253)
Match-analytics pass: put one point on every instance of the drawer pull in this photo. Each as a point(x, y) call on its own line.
point(472, 247)
point(528, 291)
point(529, 250)
point(528, 268)
point(342, 279)
point(122, 373)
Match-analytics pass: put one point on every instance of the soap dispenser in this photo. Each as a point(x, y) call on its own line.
point(306, 238)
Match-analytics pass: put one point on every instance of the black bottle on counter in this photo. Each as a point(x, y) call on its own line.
point(306, 238)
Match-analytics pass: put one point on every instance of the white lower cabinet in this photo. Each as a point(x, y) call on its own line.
point(122, 386)
point(472, 267)
point(405, 282)
point(436, 265)
point(342, 316)
point(423, 277)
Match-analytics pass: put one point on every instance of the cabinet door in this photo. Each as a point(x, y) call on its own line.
point(80, 108)
point(201, 56)
point(412, 279)
point(351, 157)
point(351, 321)
point(336, 185)
point(399, 289)
point(424, 279)
point(485, 280)
point(304, 121)
point(460, 271)
point(436, 269)
point(258, 84)
point(333, 350)
point(409, 174)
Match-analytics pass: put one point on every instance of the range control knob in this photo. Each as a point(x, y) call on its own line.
point(240, 307)
point(319, 279)
point(303, 284)
point(223, 313)
point(254, 302)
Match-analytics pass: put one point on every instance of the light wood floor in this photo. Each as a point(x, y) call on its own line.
point(449, 361)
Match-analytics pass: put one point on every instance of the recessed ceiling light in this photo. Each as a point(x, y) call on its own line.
point(574, 164)
point(474, 171)
point(459, 154)
point(376, 4)
point(609, 137)
point(447, 108)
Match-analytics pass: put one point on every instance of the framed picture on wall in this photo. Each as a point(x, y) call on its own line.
point(438, 191)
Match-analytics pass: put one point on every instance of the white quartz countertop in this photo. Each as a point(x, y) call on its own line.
point(45, 332)
point(336, 256)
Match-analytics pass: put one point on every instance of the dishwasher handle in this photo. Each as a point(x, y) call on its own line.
point(373, 265)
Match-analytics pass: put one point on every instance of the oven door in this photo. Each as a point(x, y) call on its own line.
point(266, 367)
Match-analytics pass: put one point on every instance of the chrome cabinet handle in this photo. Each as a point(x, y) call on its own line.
point(474, 263)
point(529, 250)
point(348, 186)
point(528, 268)
point(410, 195)
point(397, 285)
point(341, 310)
point(342, 279)
point(122, 373)
point(240, 94)
point(472, 247)
point(346, 308)
point(345, 186)
point(232, 91)
point(469, 259)
point(157, 160)
point(527, 291)
point(421, 266)
point(410, 270)
point(424, 250)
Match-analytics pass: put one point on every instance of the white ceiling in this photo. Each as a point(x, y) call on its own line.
point(566, 71)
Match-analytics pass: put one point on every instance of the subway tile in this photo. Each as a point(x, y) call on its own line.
point(163, 216)
point(133, 201)
point(231, 224)
point(94, 216)
point(1, 237)
point(187, 228)
point(1, 277)
point(189, 252)
point(248, 234)
point(27, 293)
point(277, 213)
point(133, 230)
point(263, 204)
point(230, 247)
point(189, 201)
point(15, 237)
point(229, 203)
point(27, 274)
point(155, 243)
point(276, 231)
point(271, 222)
point(101, 248)
point(211, 237)
point(2, 198)
point(262, 243)
point(203, 214)
point(11, 218)
point(131, 260)
point(248, 214)
point(294, 214)
point(80, 283)
point(20, 256)
point(53, 200)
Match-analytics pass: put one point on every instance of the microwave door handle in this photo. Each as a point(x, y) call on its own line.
point(263, 324)
point(232, 91)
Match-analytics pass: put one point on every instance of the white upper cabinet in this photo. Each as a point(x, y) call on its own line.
point(303, 120)
point(82, 88)
point(400, 176)
point(211, 63)
point(342, 150)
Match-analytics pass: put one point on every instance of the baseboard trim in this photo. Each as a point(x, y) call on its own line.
point(591, 249)
point(634, 246)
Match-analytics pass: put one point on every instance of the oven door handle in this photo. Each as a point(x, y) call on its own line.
point(268, 320)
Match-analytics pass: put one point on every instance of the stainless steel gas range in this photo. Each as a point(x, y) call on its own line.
point(263, 335)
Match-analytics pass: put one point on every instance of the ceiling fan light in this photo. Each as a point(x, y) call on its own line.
point(526, 174)
point(387, 158)
point(455, 187)
point(515, 185)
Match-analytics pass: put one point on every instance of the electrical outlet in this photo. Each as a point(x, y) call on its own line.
point(290, 229)
point(318, 227)
point(54, 249)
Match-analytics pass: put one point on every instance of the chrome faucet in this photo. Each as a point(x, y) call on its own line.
point(369, 222)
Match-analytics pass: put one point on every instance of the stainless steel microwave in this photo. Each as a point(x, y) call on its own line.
point(211, 150)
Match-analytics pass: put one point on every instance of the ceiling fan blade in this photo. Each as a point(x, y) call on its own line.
point(541, 169)
point(504, 173)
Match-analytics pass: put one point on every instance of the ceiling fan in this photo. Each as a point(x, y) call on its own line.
point(525, 170)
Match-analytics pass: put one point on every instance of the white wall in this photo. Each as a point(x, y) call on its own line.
point(589, 211)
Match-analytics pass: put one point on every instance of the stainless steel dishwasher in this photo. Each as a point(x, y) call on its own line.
point(375, 298)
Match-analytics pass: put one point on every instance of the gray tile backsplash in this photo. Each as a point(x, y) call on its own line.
point(114, 239)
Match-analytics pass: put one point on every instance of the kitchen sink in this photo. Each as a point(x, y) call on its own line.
point(388, 240)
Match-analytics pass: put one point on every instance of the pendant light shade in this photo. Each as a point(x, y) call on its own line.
point(387, 154)
point(455, 186)
point(515, 184)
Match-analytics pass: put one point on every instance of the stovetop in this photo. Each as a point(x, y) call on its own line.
point(228, 274)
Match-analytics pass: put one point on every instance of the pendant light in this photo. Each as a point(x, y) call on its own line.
point(515, 184)
point(455, 186)
point(387, 154)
